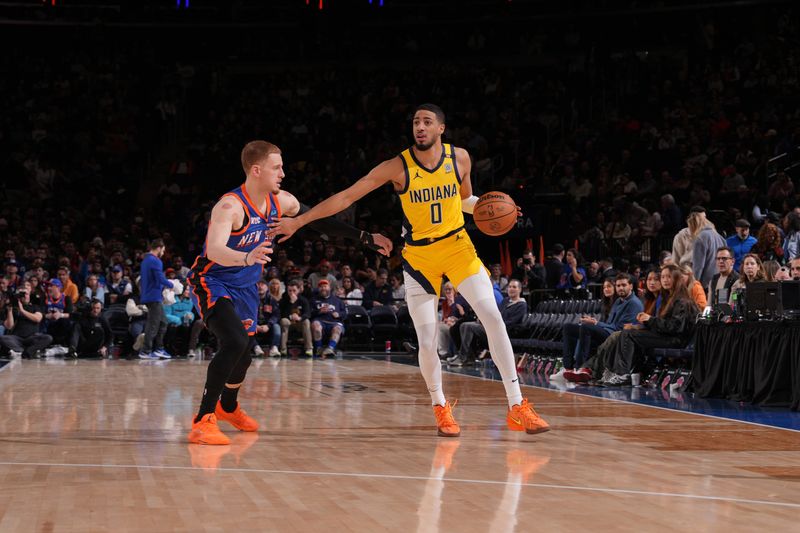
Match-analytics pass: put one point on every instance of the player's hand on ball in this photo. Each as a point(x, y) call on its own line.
point(259, 255)
point(285, 226)
point(519, 212)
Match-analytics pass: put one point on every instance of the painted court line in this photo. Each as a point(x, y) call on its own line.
point(420, 478)
point(628, 402)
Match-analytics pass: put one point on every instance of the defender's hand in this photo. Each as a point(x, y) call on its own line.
point(381, 244)
point(259, 255)
point(285, 226)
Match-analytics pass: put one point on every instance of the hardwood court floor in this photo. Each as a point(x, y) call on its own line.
point(349, 445)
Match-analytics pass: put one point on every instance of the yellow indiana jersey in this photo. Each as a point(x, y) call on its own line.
point(431, 199)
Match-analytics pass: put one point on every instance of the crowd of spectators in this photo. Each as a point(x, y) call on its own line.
point(105, 151)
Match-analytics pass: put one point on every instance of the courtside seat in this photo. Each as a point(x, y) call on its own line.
point(358, 327)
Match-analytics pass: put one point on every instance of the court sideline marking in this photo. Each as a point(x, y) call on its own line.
point(417, 478)
point(620, 401)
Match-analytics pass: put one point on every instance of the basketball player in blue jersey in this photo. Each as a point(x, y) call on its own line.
point(223, 281)
point(433, 182)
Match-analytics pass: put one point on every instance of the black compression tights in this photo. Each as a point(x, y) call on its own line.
point(230, 363)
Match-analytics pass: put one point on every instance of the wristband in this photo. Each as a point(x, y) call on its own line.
point(468, 204)
point(245, 258)
point(368, 240)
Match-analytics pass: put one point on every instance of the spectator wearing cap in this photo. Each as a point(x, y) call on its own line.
point(58, 308)
point(327, 315)
point(323, 272)
point(741, 243)
point(68, 287)
point(119, 288)
point(378, 292)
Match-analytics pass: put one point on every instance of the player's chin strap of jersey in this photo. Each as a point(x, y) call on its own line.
point(337, 228)
point(468, 204)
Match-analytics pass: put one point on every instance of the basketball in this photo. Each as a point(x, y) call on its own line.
point(495, 213)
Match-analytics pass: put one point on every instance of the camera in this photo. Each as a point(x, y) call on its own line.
point(527, 260)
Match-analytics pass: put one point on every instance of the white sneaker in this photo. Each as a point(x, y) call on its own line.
point(14, 354)
point(558, 376)
point(137, 344)
point(274, 352)
point(194, 352)
point(258, 351)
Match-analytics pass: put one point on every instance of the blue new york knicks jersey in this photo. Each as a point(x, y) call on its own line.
point(210, 281)
point(252, 233)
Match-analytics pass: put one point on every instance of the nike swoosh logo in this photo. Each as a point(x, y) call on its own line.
point(516, 421)
point(514, 380)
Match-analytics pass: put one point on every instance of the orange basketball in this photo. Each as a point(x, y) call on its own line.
point(495, 213)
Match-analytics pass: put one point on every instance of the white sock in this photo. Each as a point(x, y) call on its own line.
point(477, 290)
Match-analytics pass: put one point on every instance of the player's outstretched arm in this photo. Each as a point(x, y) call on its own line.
point(223, 217)
point(291, 206)
point(380, 175)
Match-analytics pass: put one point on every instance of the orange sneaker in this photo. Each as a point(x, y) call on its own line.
point(238, 419)
point(522, 417)
point(206, 431)
point(445, 422)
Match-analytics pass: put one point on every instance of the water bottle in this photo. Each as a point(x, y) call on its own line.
point(388, 346)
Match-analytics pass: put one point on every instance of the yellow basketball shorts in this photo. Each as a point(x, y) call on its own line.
point(454, 257)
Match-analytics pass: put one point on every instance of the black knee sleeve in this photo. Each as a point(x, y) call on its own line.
point(232, 340)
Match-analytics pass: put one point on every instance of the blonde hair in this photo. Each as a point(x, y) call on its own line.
point(696, 222)
point(256, 151)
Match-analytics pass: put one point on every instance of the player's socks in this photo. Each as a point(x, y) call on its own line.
point(317, 345)
point(207, 404)
point(437, 395)
point(229, 398)
point(332, 344)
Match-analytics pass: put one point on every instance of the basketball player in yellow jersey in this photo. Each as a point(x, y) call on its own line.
point(432, 180)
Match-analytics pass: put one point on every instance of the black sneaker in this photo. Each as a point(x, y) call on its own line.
point(71, 353)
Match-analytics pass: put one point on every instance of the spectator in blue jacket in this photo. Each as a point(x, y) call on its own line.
point(152, 283)
point(741, 242)
point(181, 313)
point(589, 333)
point(327, 316)
point(572, 276)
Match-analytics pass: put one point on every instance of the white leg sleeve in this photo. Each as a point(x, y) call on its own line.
point(422, 308)
point(477, 289)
